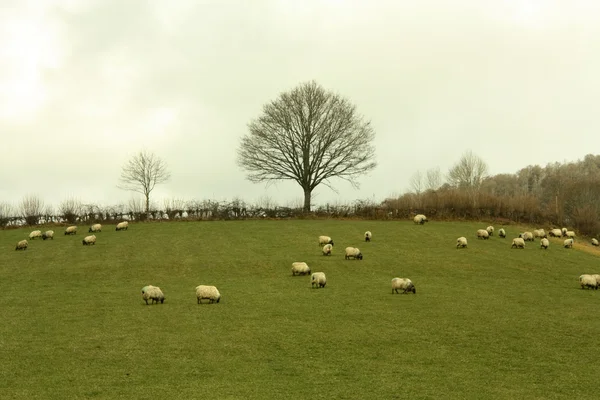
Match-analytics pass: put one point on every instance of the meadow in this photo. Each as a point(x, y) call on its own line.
point(487, 321)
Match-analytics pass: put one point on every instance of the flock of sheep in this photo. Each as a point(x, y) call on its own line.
point(586, 280)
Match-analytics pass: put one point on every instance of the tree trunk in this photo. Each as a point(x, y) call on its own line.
point(147, 205)
point(307, 193)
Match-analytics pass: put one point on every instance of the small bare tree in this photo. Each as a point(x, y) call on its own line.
point(142, 173)
point(70, 209)
point(417, 183)
point(434, 178)
point(469, 172)
point(173, 207)
point(308, 135)
point(6, 212)
point(31, 209)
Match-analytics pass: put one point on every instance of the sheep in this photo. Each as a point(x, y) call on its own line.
point(563, 232)
point(354, 253)
point(95, 228)
point(526, 236)
point(588, 281)
point(48, 235)
point(71, 230)
point(122, 226)
point(211, 293)
point(502, 233)
point(568, 244)
point(539, 233)
point(490, 230)
point(555, 233)
point(597, 277)
point(544, 243)
point(404, 284)
point(594, 242)
point(420, 219)
point(483, 234)
point(518, 243)
point(89, 240)
point(461, 242)
point(571, 234)
point(300, 268)
point(35, 234)
point(368, 236)
point(327, 249)
point(153, 293)
point(319, 279)
point(22, 245)
point(325, 240)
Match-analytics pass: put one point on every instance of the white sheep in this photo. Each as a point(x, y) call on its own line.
point(89, 240)
point(597, 277)
point(563, 231)
point(300, 268)
point(327, 249)
point(95, 228)
point(502, 233)
point(568, 244)
point(325, 240)
point(353, 252)
point(35, 234)
point(211, 293)
point(319, 279)
point(518, 243)
point(594, 242)
point(368, 236)
point(152, 293)
point(461, 242)
point(483, 234)
point(527, 236)
point(544, 243)
point(571, 234)
point(403, 284)
point(71, 230)
point(22, 245)
point(490, 230)
point(555, 232)
point(420, 219)
point(122, 226)
point(589, 281)
point(48, 235)
point(539, 233)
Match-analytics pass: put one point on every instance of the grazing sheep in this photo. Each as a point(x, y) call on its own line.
point(319, 279)
point(122, 226)
point(518, 243)
point(461, 242)
point(555, 232)
point(490, 230)
point(353, 252)
point(327, 249)
point(483, 234)
point(48, 235)
point(95, 228)
point(71, 230)
point(594, 242)
point(420, 219)
point(502, 233)
point(589, 281)
point(300, 268)
point(526, 236)
point(89, 240)
point(568, 244)
point(404, 284)
point(368, 236)
point(152, 293)
point(35, 234)
point(539, 233)
point(211, 293)
point(325, 240)
point(563, 231)
point(22, 245)
point(544, 243)
point(571, 234)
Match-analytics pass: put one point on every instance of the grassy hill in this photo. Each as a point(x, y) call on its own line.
point(487, 321)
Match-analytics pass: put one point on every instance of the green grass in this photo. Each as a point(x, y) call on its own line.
point(487, 322)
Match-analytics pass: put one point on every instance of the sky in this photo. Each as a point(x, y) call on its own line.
point(86, 84)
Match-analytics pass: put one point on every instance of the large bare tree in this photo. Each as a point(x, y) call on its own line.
point(142, 173)
point(469, 172)
point(308, 135)
point(31, 209)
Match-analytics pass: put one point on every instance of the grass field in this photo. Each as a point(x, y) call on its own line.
point(487, 322)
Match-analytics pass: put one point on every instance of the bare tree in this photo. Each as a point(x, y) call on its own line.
point(308, 135)
point(173, 207)
point(142, 173)
point(31, 209)
point(70, 209)
point(434, 178)
point(6, 212)
point(417, 183)
point(469, 172)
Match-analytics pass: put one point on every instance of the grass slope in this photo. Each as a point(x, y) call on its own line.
point(486, 322)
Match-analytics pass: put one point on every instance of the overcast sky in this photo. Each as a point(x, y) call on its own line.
point(85, 84)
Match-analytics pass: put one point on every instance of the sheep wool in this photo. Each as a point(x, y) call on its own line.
point(518, 243)
point(368, 236)
point(327, 249)
point(22, 245)
point(300, 268)
point(211, 293)
point(153, 293)
point(420, 219)
point(571, 234)
point(539, 233)
point(568, 244)
point(555, 233)
point(95, 228)
point(526, 236)
point(594, 242)
point(89, 240)
point(563, 231)
point(325, 240)
point(461, 242)
point(482, 234)
point(544, 243)
point(403, 284)
point(502, 233)
point(35, 234)
point(71, 230)
point(122, 226)
point(353, 252)
point(318, 279)
point(588, 281)
point(597, 278)
point(48, 235)
point(490, 230)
